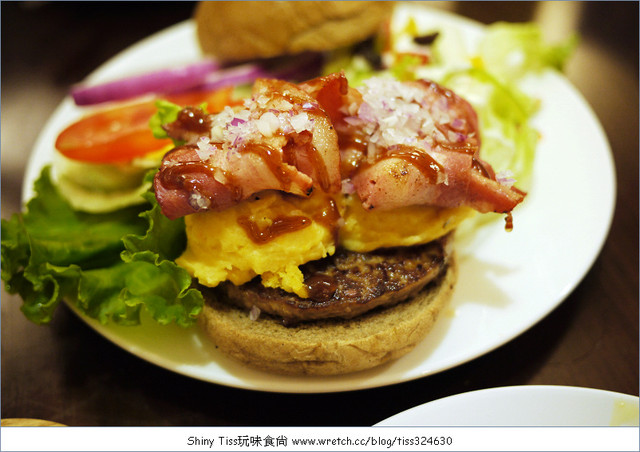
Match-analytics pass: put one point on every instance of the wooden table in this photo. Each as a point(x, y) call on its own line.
point(67, 373)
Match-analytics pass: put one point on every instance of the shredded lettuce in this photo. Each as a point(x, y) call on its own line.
point(109, 265)
point(507, 53)
point(504, 112)
point(513, 50)
point(488, 77)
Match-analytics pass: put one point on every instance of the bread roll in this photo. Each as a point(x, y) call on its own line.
point(28, 422)
point(328, 347)
point(235, 31)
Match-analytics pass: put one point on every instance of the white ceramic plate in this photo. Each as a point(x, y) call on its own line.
point(537, 406)
point(508, 281)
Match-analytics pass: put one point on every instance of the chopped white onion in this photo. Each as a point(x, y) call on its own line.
point(505, 178)
point(199, 202)
point(301, 122)
point(393, 113)
point(204, 148)
point(268, 124)
point(254, 313)
point(347, 187)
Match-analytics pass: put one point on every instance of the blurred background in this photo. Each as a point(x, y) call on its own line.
point(590, 340)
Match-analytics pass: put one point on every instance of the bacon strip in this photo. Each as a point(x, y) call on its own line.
point(281, 140)
point(413, 143)
point(394, 182)
point(396, 143)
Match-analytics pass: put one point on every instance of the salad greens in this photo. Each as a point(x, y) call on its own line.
point(511, 51)
point(166, 112)
point(113, 265)
point(109, 265)
point(505, 56)
point(488, 77)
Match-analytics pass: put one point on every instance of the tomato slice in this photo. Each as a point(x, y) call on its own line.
point(121, 134)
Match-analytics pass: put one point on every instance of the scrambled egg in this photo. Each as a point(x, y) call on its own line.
point(367, 230)
point(219, 247)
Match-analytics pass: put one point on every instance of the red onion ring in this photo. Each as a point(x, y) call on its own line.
point(160, 81)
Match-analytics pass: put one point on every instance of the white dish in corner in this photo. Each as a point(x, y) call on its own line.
point(530, 406)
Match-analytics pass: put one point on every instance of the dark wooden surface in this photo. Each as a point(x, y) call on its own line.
point(67, 373)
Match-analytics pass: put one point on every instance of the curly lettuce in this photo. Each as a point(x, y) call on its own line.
point(110, 266)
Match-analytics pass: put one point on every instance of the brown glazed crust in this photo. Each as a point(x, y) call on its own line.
point(332, 346)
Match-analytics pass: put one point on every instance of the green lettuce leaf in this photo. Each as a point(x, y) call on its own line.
point(164, 238)
point(170, 298)
point(166, 112)
point(508, 139)
point(96, 261)
point(512, 50)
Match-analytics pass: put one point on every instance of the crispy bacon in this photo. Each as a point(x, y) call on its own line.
point(396, 182)
point(281, 139)
point(330, 91)
point(395, 143)
point(413, 143)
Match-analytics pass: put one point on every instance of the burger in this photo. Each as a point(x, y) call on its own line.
point(320, 217)
point(307, 226)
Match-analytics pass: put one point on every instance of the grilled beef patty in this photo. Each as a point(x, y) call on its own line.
point(348, 283)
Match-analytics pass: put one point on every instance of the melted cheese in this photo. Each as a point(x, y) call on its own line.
point(219, 248)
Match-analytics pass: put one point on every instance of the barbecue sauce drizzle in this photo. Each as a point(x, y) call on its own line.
point(184, 175)
point(280, 225)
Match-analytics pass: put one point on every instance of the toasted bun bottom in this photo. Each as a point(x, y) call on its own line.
point(328, 347)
